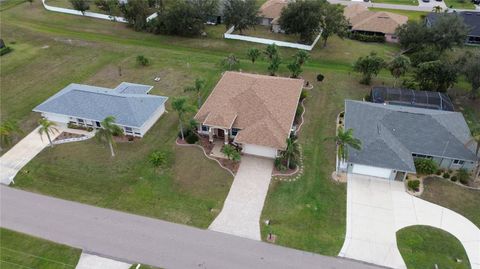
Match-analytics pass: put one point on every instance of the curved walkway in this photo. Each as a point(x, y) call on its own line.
point(377, 209)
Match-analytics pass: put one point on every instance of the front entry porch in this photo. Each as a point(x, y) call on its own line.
point(218, 133)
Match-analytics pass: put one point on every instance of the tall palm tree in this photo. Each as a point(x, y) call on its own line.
point(105, 134)
point(398, 67)
point(197, 88)
point(7, 130)
point(344, 139)
point(475, 140)
point(47, 127)
point(437, 9)
point(180, 105)
point(291, 151)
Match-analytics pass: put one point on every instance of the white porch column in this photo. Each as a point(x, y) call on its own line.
point(210, 134)
point(226, 136)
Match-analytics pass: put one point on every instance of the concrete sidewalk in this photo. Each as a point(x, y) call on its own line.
point(90, 261)
point(243, 207)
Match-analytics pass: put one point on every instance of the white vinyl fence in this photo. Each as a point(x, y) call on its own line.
point(228, 35)
point(87, 13)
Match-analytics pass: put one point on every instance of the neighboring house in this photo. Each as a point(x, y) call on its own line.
point(471, 19)
point(408, 97)
point(255, 112)
point(133, 108)
point(364, 21)
point(393, 136)
point(270, 12)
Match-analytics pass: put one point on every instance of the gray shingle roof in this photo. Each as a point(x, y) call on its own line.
point(97, 103)
point(390, 134)
point(131, 88)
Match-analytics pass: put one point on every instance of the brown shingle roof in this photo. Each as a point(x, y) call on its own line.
point(272, 8)
point(262, 107)
point(363, 19)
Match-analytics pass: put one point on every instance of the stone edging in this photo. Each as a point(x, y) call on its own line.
point(298, 171)
point(206, 155)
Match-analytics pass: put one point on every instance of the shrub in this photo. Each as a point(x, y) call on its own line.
point(463, 176)
point(186, 133)
point(303, 95)
point(157, 158)
point(446, 175)
point(367, 38)
point(192, 138)
point(414, 184)
point(5, 50)
point(425, 166)
point(368, 97)
point(279, 164)
point(299, 112)
point(439, 172)
point(320, 77)
point(142, 60)
point(454, 178)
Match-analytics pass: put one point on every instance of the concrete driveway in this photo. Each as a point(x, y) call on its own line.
point(242, 209)
point(377, 209)
point(19, 155)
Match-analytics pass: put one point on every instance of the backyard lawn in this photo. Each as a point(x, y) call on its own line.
point(19, 250)
point(424, 246)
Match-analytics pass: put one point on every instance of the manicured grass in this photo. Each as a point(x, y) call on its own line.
point(424, 246)
point(412, 15)
point(462, 200)
point(19, 250)
point(397, 2)
point(466, 4)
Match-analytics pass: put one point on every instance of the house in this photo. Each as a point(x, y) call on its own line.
point(471, 19)
point(270, 12)
point(366, 22)
point(394, 136)
point(408, 97)
point(255, 112)
point(134, 109)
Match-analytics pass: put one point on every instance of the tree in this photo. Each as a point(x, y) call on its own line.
point(425, 166)
point(335, 22)
point(274, 65)
point(303, 18)
point(295, 69)
point(136, 13)
point(230, 62)
point(448, 31)
point(271, 51)
point(471, 70)
point(197, 88)
point(344, 140)
point(437, 9)
point(205, 8)
point(80, 5)
point(436, 76)
point(231, 153)
point(108, 6)
point(182, 18)
point(292, 150)
point(108, 130)
point(301, 57)
point(157, 158)
point(413, 36)
point(8, 129)
point(142, 60)
point(241, 14)
point(369, 66)
point(47, 127)
point(398, 67)
point(253, 54)
point(180, 105)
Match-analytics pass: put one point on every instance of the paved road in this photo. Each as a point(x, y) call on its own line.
point(242, 209)
point(132, 238)
point(425, 8)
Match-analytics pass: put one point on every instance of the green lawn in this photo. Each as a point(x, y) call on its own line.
point(265, 32)
point(424, 246)
point(19, 250)
point(412, 15)
point(397, 2)
point(462, 200)
point(462, 4)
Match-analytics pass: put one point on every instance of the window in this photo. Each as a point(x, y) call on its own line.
point(128, 130)
point(80, 121)
point(421, 156)
point(458, 162)
point(235, 131)
point(205, 128)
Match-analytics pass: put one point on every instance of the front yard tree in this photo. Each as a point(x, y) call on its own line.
point(301, 57)
point(80, 5)
point(343, 140)
point(369, 66)
point(303, 18)
point(398, 67)
point(108, 130)
point(253, 54)
point(8, 129)
point(136, 13)
point(413, 36)
point(197, 88)
point(448, 31)
point(180, 105)
point(157, 158)
point(295, 69)
point(335, 22)
point(436, 76)
point(241, 14)
point(292, 151)
point(47, 127)
point(274, 65)
point(231, 153)
point(271, 51)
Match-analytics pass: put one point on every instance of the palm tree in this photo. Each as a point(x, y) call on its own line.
point(475, 140)
point(108, 130)
point(274, 65)
point(295, 68)
point(271, 51)
point(197, 88)
point(291, 151)
point(437, 9)
point(180, 105)
point(47, 127)
point(253, 54)
point(398, 67)
point(7, 130)
point(301, 57)
point(344, 139)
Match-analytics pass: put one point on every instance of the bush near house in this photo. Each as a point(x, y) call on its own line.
point(454, 178)
point(425, 166)
point(463, 176)
point(446, 175)
point(367, 38)
point(192, 138)
point(414, 185)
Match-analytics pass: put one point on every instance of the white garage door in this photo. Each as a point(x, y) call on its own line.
point(371, 171)
point(260, 151)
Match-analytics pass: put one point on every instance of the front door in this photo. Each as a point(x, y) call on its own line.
point(400, 176)
point(220, 133)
